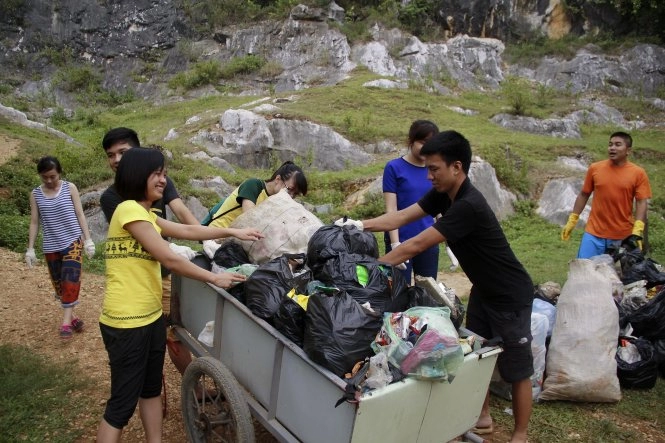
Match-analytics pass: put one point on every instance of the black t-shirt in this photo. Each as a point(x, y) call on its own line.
point(477, 240)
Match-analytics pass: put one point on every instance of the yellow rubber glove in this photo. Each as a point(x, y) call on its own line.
point(638, 229)
point(570, 225)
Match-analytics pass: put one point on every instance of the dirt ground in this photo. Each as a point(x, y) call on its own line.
point(41, 315)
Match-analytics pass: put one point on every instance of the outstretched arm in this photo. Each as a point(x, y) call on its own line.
point(199, 232)
point(152, 242)
point(413, 246)
point(393, 220)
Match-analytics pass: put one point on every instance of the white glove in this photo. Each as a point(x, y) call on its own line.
point(454, 263)
point(89, 247)
point(210, 247)
point(184, 251)
point(401, 266)
point(30, 257)
point(344, 221)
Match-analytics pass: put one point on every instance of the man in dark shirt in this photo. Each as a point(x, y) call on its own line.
point(116, 142)
point(502, 291)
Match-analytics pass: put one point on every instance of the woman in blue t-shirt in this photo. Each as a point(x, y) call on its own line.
point(404, 183)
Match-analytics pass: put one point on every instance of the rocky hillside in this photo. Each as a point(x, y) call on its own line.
point(54, 51)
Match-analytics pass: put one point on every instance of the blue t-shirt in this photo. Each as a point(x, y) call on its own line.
point(409, 183)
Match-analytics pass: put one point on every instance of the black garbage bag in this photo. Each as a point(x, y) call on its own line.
point(329, 240)
point(644, 269)
point(290, 320)
point(418, 296)
point(659, 351)
point(458, 317)
point(230, 254)
point(647, 321)
point(338, 331)
point(271, 281)
point(641, 374)
point(367, 280)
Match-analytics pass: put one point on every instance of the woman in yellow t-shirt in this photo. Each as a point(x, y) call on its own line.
point(131, 322)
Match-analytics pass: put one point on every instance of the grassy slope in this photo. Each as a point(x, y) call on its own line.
point(523, 161)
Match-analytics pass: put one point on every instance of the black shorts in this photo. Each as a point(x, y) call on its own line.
point(136, 357)
point(515, 363)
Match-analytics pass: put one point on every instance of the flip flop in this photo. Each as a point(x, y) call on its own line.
point(484, 430)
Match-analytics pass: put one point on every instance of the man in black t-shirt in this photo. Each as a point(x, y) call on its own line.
point(502, 291)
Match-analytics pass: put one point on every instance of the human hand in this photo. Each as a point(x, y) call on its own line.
point(401, 266)
point(89, 247)
point(30, 257)
point(345, 221)
point(638, 229)
point(570, 225)
point(227, 279)
point(210, 247)
point(183, 251)
point(248, 234)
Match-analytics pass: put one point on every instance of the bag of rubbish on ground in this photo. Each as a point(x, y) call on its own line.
point(422, 342)
point(637, 367)
point(647, 320)
point(580, 359)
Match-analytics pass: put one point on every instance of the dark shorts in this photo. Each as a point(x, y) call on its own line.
point(515, 363)
point(136, 357)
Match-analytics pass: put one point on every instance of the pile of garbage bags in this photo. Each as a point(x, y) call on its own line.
point(336, 300)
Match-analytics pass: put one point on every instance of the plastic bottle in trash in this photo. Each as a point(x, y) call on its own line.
point(206, 335)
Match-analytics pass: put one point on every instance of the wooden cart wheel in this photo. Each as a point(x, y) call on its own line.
point(213, 404)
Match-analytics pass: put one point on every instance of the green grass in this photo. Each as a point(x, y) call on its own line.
point(40, 400)
point(523, 162)
point(591, 422)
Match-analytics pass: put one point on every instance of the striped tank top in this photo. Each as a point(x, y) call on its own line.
point(58, 218)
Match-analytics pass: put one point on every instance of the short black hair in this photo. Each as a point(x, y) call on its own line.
point(422, 130)
point(289, 169)
point(627, 139)
point(120, 135)
point(451, 146)
point(47, 163)
point(133, 171)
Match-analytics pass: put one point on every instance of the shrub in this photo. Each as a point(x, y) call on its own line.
point(14, 232)
point(242, 65)
point(516, 92)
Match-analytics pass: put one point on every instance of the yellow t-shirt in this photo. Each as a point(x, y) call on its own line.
point(133, 296)
point(252, 189)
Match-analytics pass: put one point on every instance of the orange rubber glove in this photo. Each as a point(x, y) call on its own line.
point(570, 225)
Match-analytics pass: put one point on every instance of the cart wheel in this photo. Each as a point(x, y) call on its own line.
point(213, 404)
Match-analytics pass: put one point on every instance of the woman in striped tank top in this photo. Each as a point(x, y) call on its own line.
point(56, 204)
